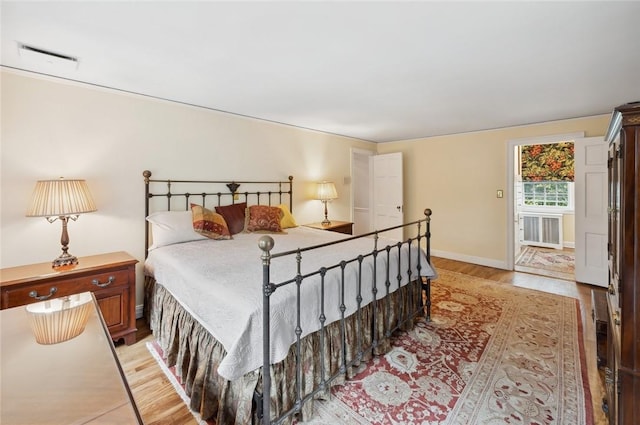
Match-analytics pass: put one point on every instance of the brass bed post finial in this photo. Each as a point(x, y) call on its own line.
point(147, 175)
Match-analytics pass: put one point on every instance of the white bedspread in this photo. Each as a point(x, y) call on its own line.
point(220, 284)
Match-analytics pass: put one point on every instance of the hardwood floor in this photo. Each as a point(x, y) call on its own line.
point(159, 403)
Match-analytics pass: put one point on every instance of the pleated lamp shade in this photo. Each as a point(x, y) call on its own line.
point(59, 319)
point(326, 191)
point(60, 197)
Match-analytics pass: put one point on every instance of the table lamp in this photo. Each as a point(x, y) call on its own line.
point(326, 191)
point(61, 200)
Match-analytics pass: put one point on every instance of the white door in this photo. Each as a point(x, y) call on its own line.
point(387, 193)
point(591, 210)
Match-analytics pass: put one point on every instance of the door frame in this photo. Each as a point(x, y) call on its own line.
point(356, 185)
point(511, 144)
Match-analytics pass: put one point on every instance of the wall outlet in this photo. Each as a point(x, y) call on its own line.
point(500, 193)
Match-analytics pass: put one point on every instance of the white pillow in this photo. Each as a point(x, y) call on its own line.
point(169, 227)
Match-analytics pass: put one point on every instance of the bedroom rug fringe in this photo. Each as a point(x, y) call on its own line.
point(493, 354)
point(156, 351)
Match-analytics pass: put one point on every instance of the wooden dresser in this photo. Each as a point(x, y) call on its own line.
point(622, 373)
point(335, 226)
point(78, 381)
point(111, 277)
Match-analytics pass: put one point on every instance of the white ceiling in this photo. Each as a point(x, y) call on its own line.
point(378, 71)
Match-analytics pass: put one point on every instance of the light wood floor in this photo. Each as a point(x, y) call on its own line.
point(159, 403)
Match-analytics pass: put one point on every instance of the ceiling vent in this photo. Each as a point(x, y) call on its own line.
point(52, 60)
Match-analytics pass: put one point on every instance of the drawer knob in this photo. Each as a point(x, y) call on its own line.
point(34, 294)
point(107, 283)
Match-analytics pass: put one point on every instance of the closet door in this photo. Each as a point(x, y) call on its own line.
point(387, 193)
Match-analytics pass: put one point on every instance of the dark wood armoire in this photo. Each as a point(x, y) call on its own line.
point(622, 372)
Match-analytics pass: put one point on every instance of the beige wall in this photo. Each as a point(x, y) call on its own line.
point(457, 177)
point(51, 128)
point(569, 229)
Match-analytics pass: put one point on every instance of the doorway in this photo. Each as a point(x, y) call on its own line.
point(377, 192)
point(544, 187)
point(541, 238)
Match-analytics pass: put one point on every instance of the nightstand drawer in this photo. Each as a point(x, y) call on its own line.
point(42, 291)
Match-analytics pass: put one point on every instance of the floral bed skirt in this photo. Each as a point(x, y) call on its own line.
point(196, 354)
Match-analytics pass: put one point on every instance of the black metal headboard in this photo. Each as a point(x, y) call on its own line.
point(185, 192)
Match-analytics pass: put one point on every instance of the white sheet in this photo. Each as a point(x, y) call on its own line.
point(220, 284)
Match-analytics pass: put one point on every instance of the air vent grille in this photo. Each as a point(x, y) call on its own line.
point(47, 52)
point(42, 57)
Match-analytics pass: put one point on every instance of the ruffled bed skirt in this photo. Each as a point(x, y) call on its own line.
point(196, 354)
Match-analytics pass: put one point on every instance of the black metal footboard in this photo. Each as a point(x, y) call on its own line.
point(410, 258)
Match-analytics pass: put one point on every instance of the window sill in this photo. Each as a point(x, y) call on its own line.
point(548, 210)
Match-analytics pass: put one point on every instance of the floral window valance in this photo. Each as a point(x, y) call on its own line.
point(548, 162)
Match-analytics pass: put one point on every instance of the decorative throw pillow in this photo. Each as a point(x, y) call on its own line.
point(209, 223)
point(169, 227)
point(234, 216)
point(287, 219)
point(262, 218)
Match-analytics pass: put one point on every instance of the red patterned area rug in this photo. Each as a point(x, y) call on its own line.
point(493, 354)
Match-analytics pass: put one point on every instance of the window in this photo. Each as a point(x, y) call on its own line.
point(553, 194)
point(547, 172)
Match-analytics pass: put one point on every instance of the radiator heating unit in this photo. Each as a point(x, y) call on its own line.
point(539, 229)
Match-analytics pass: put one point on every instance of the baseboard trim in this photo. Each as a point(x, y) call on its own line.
point(139, 311)
point(481, 261)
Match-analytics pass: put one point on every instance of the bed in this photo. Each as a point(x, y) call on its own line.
point(233, 287)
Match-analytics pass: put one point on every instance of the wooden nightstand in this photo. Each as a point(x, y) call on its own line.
point(111, 277)
point(335, 226)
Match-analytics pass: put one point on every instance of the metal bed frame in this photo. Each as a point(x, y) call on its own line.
point(275, 191)
point(266, 244)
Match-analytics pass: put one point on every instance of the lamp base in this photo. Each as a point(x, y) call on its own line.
point(64, 260)
point(326, 221)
